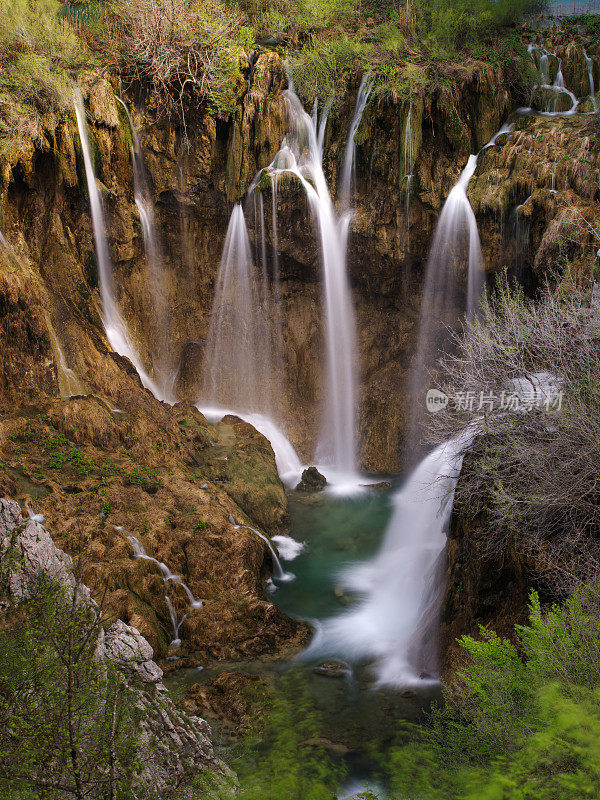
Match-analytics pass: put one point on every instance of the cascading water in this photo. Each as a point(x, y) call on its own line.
point(114, 325)
point(453, 282)
point(167, 576)
point(301, 155)
point(278, 572)
point(145, 206)
point(590, 68)
point(237, 370)
point(347, 171)
point(69, 384)
point(555, 89)
point(409, 157)
point(394, 622)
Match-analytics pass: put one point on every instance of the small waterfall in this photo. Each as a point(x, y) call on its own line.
point(114, 325)
point(409, 157)
point(167, 576)
point(237, 371)
point(394, 622)
point(590, 67)
point(347, 178)
point(557, 88)
point(145, 206)
point(278, 572)
point(453, 283)
point(69, 384)
point(278, 326)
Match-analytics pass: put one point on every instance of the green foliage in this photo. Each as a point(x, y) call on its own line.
point(448, 27)
point(298, 17)
point(36, 53)
point(515, 726)
point(322, 69)
point(282, 757)
point(68, 722)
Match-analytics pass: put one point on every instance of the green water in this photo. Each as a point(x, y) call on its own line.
point(336, 532)
point(354, 715)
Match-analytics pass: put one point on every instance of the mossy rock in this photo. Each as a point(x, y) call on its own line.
point(547, 99)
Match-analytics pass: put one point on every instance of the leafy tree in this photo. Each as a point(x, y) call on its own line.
point(68, 721)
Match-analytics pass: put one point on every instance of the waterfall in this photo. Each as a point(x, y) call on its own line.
point(453, 281)
point(347, 171)
point(114, 325)
point(301, 155)
point(409, 157)
point(167, 576)
point(278, 572)
point(395, 618)
point(69, 384)
point(145, 205)
point(237, 371)
point(557, 87)
point(278, 326)
point(590, 67)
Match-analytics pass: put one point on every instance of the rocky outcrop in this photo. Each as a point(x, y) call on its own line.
point(312, 481)
point(180, 741)
point(98, 474)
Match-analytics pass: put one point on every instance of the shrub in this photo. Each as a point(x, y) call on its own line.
point(177, 46)
point(448, 27)
point(514, 726)
point(535, 474)
point(322, 68)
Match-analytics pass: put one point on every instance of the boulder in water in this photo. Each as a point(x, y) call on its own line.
point(312, 481)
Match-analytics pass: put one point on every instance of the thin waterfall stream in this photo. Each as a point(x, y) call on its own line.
point(114, 324)
point(143, 199)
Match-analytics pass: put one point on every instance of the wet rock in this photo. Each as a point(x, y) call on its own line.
point(337, 748)
point(331, 669)
point(548, 99)
point(34, 550)
point(312, 481)
point(380, 486)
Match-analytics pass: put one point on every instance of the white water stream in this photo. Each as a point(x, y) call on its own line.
point(167, 576)
point(163, 371)
point(347, 172)
point(114, 324)
point(394, 622)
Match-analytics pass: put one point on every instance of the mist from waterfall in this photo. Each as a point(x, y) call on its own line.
point(163, 371)
point(114, 325)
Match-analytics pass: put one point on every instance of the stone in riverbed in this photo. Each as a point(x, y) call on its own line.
point(331, 669)
point(312, 481)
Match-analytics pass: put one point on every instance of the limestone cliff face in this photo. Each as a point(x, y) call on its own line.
point(194, 181)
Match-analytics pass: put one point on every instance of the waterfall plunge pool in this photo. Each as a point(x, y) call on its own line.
point(355, 715)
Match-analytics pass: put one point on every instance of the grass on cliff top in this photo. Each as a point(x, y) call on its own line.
point(191, 51)
point(38, 54)
point(403, 46)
